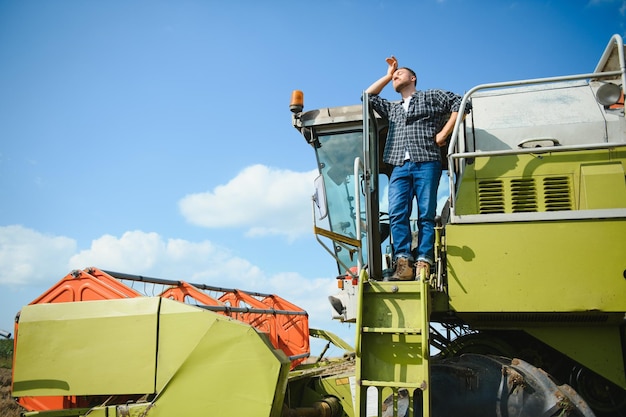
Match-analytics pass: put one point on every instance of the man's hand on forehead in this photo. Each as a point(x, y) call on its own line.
point(392, 61)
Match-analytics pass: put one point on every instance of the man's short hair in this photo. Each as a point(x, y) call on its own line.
point(411, 71)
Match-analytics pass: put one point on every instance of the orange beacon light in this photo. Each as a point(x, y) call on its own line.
point(297, 101)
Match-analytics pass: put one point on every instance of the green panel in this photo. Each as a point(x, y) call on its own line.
point(232, 371)
point(87, 348)
point(340, 387)
point(537, 267)
point(583, 345)
point(466, 197)
point(333, 378)
point(392, 305)
point(602, 186)
point(181, 328)
point(393, 357)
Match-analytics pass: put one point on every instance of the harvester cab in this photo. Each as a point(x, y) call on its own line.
point(346, 204)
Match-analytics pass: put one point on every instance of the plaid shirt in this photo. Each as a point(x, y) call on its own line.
point(414, 131)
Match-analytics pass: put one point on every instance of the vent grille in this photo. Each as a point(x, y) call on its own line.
point(557, 193)
point(524, 195)
point(491, 196)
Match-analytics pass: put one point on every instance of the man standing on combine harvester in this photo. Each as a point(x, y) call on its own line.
point(418, 126)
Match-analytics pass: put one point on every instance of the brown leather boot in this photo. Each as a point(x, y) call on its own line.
point(418, 269)
point(404, 270)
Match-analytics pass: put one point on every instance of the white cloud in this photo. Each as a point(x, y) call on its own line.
point(144, 253)
point(266, 201)
point(134, 251)
point(29, 257)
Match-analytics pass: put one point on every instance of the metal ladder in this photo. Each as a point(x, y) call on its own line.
point(392, 349)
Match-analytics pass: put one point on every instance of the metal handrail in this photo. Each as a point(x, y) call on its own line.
point(171, 282)
point(358, 168)
point(619, 41)
point(536, 151)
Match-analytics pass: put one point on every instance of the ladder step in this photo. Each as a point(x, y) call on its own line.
point(392, 287)
point(392, 384)
point(395, 330)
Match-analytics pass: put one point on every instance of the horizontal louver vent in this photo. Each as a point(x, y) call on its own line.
point(491, 196)
point(557, 193)
point(524, 195)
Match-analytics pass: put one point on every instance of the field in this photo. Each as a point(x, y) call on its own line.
point(8, 407)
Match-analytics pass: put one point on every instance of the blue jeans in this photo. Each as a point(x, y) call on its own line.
point(420, 180)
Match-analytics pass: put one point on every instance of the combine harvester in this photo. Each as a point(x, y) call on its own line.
point(522, 316)
point(530, 253)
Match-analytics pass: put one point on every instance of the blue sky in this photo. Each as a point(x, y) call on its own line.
point(155, 138)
